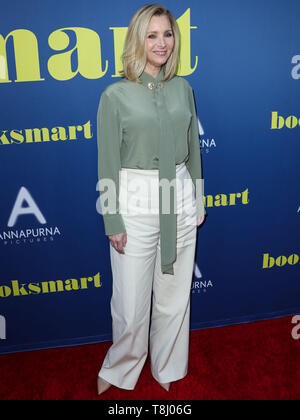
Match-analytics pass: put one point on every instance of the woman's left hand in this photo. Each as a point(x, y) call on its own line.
point(200, 220)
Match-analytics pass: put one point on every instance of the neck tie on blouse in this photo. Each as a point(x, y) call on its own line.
point(167, 171)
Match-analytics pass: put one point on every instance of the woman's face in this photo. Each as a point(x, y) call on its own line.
point(159, 43)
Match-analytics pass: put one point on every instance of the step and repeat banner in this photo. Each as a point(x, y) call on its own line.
point(56, 57)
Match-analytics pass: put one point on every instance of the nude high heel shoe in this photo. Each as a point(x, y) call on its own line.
point(102, 385)
point(165, 386)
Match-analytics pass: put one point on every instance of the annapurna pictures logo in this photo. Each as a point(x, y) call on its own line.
point(199, 284)
point(13, 236)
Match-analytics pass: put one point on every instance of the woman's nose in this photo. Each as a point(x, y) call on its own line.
point(161, 41)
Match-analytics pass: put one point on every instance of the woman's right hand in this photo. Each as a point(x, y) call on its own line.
point(118, 241)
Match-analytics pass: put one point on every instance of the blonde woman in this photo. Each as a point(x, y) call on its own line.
point(148, 148)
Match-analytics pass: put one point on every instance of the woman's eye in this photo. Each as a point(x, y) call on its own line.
point(167, 35)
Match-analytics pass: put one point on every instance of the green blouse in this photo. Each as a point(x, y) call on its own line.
point(149, 125)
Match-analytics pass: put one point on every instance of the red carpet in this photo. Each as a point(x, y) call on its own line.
point(253, 361)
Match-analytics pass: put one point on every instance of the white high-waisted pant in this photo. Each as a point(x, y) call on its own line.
point(138, 281)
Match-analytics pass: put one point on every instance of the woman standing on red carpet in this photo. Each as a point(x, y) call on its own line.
point(148, 145)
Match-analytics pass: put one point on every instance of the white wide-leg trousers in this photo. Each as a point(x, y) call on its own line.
point(149, 308)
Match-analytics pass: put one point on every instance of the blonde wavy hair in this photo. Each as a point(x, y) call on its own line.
point(134, 56)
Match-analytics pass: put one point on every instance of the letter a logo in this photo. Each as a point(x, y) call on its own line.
point(197, 271)
point(32, 208)
point(200, 128)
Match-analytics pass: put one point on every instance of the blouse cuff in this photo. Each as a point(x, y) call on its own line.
point(113, 224)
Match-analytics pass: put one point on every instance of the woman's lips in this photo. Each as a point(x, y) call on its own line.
point(160, 53)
